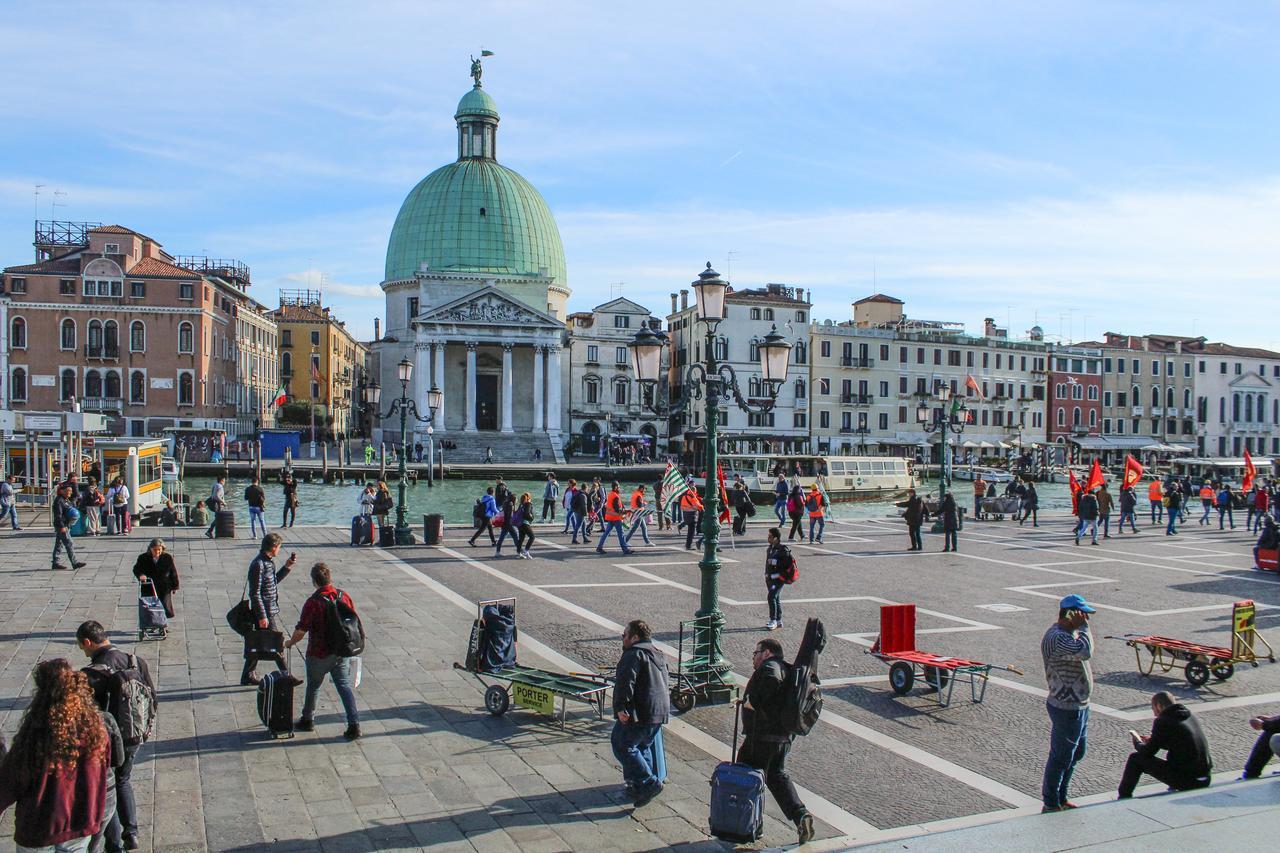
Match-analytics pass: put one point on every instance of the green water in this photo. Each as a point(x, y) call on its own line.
point(320, 503)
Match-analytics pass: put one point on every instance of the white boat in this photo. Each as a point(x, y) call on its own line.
point(973, 472)
point(843, 478)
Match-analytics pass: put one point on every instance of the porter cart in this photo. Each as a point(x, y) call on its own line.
point(491, 658)
point(1198, 662)
point(896, 646)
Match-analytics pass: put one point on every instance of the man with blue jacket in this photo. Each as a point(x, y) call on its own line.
point(641, 706)
point(486, 509)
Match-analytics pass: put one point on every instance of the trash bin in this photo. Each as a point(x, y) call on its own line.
point(433, 529)
point(224, 524)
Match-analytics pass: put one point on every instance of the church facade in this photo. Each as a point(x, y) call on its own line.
point(476, 298)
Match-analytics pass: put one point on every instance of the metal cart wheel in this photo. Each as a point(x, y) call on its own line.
point(1222, 669)
point(936, 678)
point(901, 677)
point(496, 700)
point(682, 701)
point(1197, 673)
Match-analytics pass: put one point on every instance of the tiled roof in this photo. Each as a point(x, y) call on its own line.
point(879, 297)
point(60, 265)
point(156, 268)
point(1230, 349)
point(119, 229)
point(300, 313)
point(761, 294)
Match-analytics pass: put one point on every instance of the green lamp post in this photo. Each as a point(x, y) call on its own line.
point(406, 406)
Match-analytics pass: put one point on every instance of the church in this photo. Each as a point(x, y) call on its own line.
point(476, 298)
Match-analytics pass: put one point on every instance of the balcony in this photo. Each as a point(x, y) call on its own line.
point(857, 399)
point(857, 361)
point(1157, 411)
point(844, 430)
point(1137, 411)
point(102, 404)
point(102, 352)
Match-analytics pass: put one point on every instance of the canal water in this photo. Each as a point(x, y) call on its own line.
point(320, 503)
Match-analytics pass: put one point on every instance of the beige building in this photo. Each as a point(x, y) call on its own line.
point(320, 360)
point(868, 375)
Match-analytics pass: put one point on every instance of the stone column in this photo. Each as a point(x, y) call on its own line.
point(539, 424)
point(421, 380)
point(470, 419)
point(553, 389)
point(506, 388)
point(438, 380)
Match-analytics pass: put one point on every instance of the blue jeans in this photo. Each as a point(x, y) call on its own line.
point(1127, 514)
point(1105, 523)
point(610, 526)
point(1208, 508)
point(11, 512)
point(780, 509)
point(775, 600)
point(821, 521)
point(642, 525)
point(630, 744)
point(1091, 524)
point(1157, 512)
point(1066, 748)
point(1173, 520)
point(576, 527)
point(507, 530)
point(568, 519)
point(63, 540)
point(339, 670)
point(256, 518)
point(1226, 511)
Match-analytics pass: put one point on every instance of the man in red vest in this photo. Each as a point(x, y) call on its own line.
point(613, 515)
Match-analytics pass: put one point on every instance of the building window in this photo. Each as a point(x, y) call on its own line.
point(593, 354)
point(286, 364)
point(186, 290)
point(768, 315)
point(620, 393)
point(1106, 399)
point(286, 337)
point(315, 390)
point(137, 336)
point(67, 334)
point(1062, 416)
point(883, 420)
point(18, 285)
point(137, 387)
point(753, 350)
point(1093, 392)
point(620, 355)
point(186, 389)
point(800, 317)
point(621, 321)
point(18, 385)
point(315, 338)
point(1106, 426)
point(93, 384)
point(824, 420)
point(413, 307)
point(67, 386)
point(186, 338)
point(1075, 416)
point(1155, 367)
point(138, 289)
point(591, 389)
point(824, 387)
point(755, 313)
point(111, 385)
point(1093, 418)
point(800, 389)
point(799, 419)
point(800, 353)
point(67, 287)
point(18, 333)
point(824, 349)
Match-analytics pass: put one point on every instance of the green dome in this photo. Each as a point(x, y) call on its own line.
point(475, 216)
point(477, 103)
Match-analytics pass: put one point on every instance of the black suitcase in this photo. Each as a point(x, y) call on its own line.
point(275, 703)
point(362, 530)
point(386, 536)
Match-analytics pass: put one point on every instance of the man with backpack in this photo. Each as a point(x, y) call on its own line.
point(482, 516)
point(780, 569)
point(814, 503)
point(767, 739)
point(123, 687)
point(336, 638)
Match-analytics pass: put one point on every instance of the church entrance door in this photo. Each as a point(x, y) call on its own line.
point(486, 402)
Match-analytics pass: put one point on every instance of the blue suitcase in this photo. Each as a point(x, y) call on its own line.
point(737, 799)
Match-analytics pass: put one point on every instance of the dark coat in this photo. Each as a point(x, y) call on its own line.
point(163, 572)
point(763, 720)
point(640, 685)
point(1128, 500)
point(916, 514)
point(1088, 507)
point(950, 515)
point(1179, 732)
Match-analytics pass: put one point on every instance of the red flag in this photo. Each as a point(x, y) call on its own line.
point(1096, 477)
point(1075, 491)
point(970, 382)
point(1250, 472)
point(282, 397)
point(725, 515)
point(1132, 472)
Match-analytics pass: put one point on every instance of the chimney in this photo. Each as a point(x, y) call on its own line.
point(377, 329)
point(673, 303)
point(684, 299)
point(800, 293)
point(989, 327)
point(1146, 343)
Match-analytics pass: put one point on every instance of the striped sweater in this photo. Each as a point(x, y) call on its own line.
point(1066, 666)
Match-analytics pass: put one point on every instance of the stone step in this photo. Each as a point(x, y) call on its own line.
point(506, 447)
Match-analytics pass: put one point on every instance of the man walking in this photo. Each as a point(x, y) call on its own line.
point(779, 565)
point(62, 522)
point(1128, 508)
point(915, 514)
point(216, 503)
point(264, 600)
point(256, 498)
point(325, 606)
point(1066, 650)
point(104, 661)
point(1225, 508)
point(1207, 496)
point(1104, 510)
point(1088, 511)
point(613, 515)
point(641, 706)
point(1175, 729)
point(780, 490)
point(639, 515)
point(690, 509)
point(9, 501)
point(767, 740)
point(1174, 496)
point(485, 509)
point(979, 492)
point(1155, 494)
point(550, 496)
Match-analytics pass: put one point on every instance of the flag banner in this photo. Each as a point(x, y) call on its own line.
point(282, 396)
point(1096, 477)
point(673, 486)
point(971, 383)
point(1132, 472)
point(1075, 491)
point(1250, 472)
point(725, 515)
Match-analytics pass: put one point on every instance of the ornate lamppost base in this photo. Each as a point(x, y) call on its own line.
point(404, 536)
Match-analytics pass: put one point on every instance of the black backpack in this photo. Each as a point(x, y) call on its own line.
point(802, 690)
point(477, 511)
point(344, 634)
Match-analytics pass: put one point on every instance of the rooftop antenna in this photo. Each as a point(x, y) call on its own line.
point(55, 204)
point(615, 289)
point(728, 262)
point(35, 211)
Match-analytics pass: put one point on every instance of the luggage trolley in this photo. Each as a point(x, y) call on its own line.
point(896, 646)
point(491, 658)
point(152, 621)
point(1198, 662)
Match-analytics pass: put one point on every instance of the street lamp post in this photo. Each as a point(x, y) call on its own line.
point(716, 382)
point(406, 406)
point(942, 421)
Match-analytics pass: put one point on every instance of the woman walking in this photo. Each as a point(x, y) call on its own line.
point(156, 565)
point(290, 511)
point(795, 510)
point(117, 500)
point(524, 526)
point(950, 521)
point(57, 770)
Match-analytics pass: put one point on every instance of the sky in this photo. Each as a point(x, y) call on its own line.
point(1084, 166)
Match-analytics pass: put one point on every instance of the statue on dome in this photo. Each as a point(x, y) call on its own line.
point(476, 70)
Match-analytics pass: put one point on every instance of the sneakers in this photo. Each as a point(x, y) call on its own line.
point(78, 565)
point(646, 793)
point(129, 840)
point(352, 732)
point(771, 625)
point(250, 680)
point(59, 567)
point(304, 725)
point(804, 828)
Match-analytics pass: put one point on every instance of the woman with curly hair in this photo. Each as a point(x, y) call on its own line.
point(57, 768)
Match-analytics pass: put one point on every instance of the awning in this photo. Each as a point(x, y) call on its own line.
point(1090, 442)
point(986, 445)
point(969, 442)
point(908, 438)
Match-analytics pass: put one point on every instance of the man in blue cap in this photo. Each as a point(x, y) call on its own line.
point(1066, 648)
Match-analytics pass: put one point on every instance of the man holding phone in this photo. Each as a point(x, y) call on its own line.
point(1066, 648)
point(264, 600)
point(1188, 765)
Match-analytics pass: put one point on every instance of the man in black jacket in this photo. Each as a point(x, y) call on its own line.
point(264, 600)
point(1188, 765)
point(641, 706)
point(767, 741)
point(62, 522)
point(915, 514)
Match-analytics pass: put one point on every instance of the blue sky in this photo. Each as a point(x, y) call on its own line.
point(1087, 166)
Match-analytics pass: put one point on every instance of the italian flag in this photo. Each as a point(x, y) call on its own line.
point(281, 396)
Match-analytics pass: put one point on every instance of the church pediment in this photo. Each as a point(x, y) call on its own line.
point(489, 307)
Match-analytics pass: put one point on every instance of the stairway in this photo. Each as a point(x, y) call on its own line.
point(507, 447)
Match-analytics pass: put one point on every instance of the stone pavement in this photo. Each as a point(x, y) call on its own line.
point(432, 770)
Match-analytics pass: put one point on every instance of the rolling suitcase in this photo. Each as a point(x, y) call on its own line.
point(275, 703)
point(737, 798)
point(151, 617)
point(362, 530)
point(386, 536)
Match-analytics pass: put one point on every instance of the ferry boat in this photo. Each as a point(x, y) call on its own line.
point(973, 472)
point(1219, 469)
point(842, 478)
